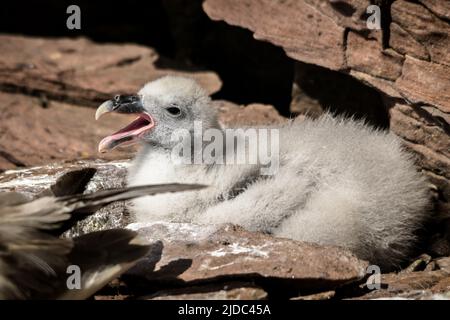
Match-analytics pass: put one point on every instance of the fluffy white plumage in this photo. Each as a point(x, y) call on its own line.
point(339, 182)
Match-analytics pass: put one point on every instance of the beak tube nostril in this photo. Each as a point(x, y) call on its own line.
point(121, 104)
point(105, 107)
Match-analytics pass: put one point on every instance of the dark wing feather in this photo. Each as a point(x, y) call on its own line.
point(33, 262)
point(84, 205)
point(103, 256)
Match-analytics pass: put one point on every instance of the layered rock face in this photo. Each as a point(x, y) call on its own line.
point(46, 85)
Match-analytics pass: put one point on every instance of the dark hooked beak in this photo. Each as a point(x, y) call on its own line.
point(131, 133)
point(121, 104)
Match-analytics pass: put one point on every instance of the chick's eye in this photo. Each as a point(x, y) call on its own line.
point(175, 111)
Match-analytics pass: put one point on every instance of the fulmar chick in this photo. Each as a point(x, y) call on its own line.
point(338, 181)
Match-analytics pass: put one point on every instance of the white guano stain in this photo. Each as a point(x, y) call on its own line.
point(29, 181)
point(236, 248)
point(30, 177)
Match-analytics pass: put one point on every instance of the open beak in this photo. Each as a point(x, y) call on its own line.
point(131, 133)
